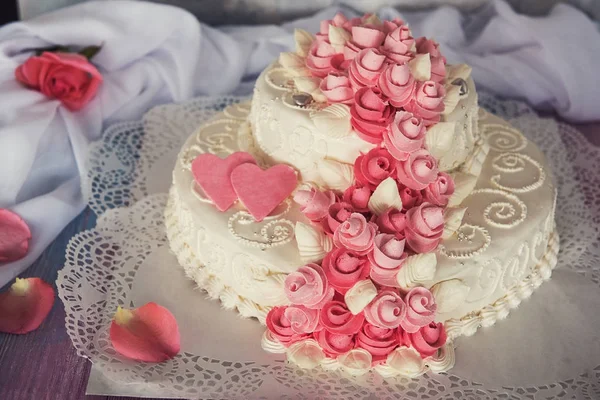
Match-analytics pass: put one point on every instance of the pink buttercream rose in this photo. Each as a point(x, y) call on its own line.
point(438, 69)
point(308, 286)
point(378, 341)
point(438, 61)
point(397, 84)
point(392, 221)
point(439, 191)
point(335, 317)
point(428, 102)
point(344, 268)
point(405, 135)
point(410, 197)
point(314, 204)
point(322, 59)
point(420, 309)
point(366, 68)
point(336, 87)
point(424, 227)
point(290, 324)
point(337, 213)
point(358, 197)
point(370, 114)
point(391, 25)
point(68, 77)
point(374, 167)
point(429, 46)
point(363, 37)
point(426, 340)
point(334, 344)
point(339, 20)
point(386, 259)
point(398, 44)
point(387, 310)
point(418, 170)
point(355, 234)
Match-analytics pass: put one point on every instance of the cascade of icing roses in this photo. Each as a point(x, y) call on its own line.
point(357, 297)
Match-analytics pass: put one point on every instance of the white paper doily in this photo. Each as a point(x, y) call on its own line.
point(549, 348)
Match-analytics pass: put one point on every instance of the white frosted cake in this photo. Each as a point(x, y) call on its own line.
point(362, 206)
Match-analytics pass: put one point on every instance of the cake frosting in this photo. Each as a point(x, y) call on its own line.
point(361, 206)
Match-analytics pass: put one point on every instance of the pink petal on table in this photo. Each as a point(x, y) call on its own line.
point(14, 236)
point(149, 333)
point(25, 305)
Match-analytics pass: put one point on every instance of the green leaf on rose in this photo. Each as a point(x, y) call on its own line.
point(53, 49)
point(90, 51)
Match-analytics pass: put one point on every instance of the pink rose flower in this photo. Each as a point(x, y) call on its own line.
point(363, 37)
point(397, 84)
point(438, 69)
point(439, 191)
point(405, 135)
point(336, 88)
point(314, 204)
point(392, 221)
point(378, 341)
point(339, 20)
point(335, 317)
point(430, 46)
point(322, 59)
point(68, 77)
point(426, 340)
point(387, 310)
point(410, 197)
point(398, 44)
point(308, 286)
point(428, 102)
point(337, 213)
point(418, 170)
point(386, 259)
point(344, 268)
point(334, 344)
point(366, 68)
point(370, 114)
point(290, 324)
point(374, 167)
point(420, 309)
point(438, 61)
point(389, 26)
point(424, 227)
point(358, 197)
point(355, 234)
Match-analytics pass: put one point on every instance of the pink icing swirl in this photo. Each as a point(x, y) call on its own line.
point(378, 341)
point(392, 221)
point(428, 102)
point(438, 62)
point(308, 286)
point(410, 197)
point(418, 170)
point(386, 259)
point(314, 204)
point(387, 310)
point(366, 68)
point(358, 197)
point(344, 268)
point(339, 20)
point(336, 318)
point(427, 340)
point(405, 135)
point(290, 324)
point(322, 59)
point(439, 191)
point(336, 214)
point(398, 44)
point(355, 234)
point(334, 344)
point(374, 167)
point(397, 84)
point(370, 114)
point(420, 309)
point(362, 37)
point(390, 25)
point(424, 227)
point(336, 87)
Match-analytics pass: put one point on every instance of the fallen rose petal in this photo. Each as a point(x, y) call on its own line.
point(14, 236)
point(149, 333)
point(25, 305)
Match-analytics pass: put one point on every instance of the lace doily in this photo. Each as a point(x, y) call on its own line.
point(129, 175)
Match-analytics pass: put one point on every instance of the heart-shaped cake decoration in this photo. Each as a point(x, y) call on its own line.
point(213, 175)
point(261, 191)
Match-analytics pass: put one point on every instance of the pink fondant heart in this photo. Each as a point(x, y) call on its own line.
point(262, 191)
point(213, 175)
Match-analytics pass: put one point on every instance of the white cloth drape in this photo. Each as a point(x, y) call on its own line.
point(154, 54)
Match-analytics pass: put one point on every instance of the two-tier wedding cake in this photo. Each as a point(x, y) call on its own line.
point(361, 206)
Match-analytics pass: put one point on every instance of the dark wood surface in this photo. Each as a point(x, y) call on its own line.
point(43, 365)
